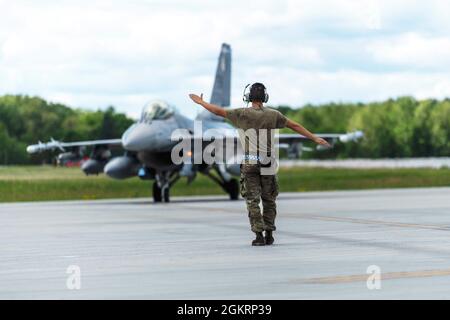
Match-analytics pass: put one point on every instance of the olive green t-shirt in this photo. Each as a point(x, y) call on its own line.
point(256, 140)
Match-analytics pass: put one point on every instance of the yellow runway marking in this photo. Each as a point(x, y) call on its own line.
point(341, 219)
point(374, 222)
point(384, 276)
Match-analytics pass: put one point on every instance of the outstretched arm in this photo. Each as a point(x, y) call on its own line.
point(208, 106)
point(303, 131)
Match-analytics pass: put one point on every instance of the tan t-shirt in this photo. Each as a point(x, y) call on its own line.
point(251, 120)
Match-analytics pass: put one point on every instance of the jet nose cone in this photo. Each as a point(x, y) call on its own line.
point(147, 137)
point(136, 139)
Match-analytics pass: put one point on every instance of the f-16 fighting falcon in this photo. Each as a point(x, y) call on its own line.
point(148, 143)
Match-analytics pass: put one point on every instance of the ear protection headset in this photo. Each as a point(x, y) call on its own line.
point(257, 91)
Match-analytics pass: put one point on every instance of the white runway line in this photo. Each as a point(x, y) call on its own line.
point(435, 163)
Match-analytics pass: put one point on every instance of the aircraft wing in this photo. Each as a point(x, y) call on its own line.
point(54, 144)
point(289, 138)
point(343, 137)
point(293, 142)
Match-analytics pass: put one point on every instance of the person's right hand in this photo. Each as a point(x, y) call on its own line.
point(197, 99)
point(322, 142)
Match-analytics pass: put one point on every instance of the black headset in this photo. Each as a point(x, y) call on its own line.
point(254, 94)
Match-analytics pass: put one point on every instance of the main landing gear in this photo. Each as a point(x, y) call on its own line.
point(232, 187)
point(165, 180)
point(224, 179)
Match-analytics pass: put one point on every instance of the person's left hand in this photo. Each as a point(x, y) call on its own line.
point(322, 142)
point(197, 99)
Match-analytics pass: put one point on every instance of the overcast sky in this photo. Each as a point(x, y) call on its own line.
point(96, 53)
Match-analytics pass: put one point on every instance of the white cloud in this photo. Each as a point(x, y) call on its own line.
point(413, 50)
point(349, 85)
point(96, 53)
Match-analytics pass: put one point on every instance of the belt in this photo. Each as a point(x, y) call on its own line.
point(252, 157)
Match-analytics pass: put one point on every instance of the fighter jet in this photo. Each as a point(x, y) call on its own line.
point(148, 143)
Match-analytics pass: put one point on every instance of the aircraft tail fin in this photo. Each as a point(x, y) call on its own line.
point(222, 83)
point(221, 93)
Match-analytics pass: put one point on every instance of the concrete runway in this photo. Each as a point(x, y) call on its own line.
point(198, 248)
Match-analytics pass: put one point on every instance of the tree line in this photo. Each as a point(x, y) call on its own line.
point(24, 120)
point(402, 127)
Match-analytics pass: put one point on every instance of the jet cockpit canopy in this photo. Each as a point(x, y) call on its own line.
point(156, 110)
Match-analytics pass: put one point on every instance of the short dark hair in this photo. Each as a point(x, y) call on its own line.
point(257, 92)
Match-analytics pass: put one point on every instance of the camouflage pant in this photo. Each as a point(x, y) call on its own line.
point(254, 188)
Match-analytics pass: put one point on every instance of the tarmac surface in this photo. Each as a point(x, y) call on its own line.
point(329, 245)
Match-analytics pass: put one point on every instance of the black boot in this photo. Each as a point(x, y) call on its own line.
point(259, 241)
point(269, 238)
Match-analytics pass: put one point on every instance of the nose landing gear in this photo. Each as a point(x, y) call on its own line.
point(162, 184)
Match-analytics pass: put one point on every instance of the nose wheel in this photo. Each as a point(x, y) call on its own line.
point(162, 184)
